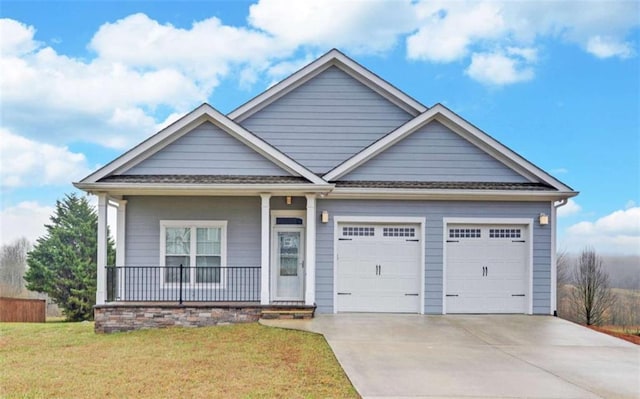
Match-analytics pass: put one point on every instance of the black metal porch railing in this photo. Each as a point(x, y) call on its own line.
point(183, 284)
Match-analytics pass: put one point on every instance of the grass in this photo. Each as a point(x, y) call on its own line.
point(68, 360)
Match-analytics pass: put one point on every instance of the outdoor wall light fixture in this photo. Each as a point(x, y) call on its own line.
point(324, 217)
point(543, 219)
point(288, 200)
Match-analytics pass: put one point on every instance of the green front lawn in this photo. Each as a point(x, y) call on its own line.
point(67, 360)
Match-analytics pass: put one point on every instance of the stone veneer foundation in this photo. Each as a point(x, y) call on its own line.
point(128, 317)
point(120, 317)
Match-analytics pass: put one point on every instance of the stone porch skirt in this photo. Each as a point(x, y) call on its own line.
point(130, 316)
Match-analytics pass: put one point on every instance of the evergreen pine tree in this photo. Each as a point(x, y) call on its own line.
point(63, 261)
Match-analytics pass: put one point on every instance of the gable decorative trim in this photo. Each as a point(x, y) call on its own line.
point(332, 58)
point(202, 114)
point(464, 129)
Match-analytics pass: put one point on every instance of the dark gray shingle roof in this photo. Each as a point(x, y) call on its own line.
point(444, 185)
point(203, 179)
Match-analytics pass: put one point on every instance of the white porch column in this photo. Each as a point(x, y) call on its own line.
point(310, 261)
point(554, 264)
point(265, 253)
point(101, 260)
point(120, 247)
point(121, 232)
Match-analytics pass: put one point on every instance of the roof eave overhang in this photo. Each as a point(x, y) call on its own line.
point(462, 195)
point(201, 189)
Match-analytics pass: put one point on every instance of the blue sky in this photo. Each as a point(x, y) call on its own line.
point(558, 82)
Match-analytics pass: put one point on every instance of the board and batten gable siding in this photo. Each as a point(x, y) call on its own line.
point(207, 150)
point(434, 153)
point(145, 213)
point(434, 212)
point(326, 120)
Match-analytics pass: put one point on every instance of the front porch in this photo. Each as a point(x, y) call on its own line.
point(201, 283)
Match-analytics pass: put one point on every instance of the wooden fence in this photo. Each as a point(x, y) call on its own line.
point(23, 310)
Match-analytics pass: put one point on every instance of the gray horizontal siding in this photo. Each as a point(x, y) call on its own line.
point(207, 150)
point(145, 213)
point(143, 240)
point(434, 212)
point(434, 153)
point(326, 120)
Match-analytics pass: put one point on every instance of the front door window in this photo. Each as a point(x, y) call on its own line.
point(289, 252)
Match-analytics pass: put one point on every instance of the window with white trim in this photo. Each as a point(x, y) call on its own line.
point(198, 246)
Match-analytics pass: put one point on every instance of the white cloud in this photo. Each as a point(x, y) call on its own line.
point(606, 48)
point(204, 53)
point(355, 26)
point(454, 30)
point(101, 101)
point(501, 68)
point(27, 219)
point(140, 67)
point(571, 208)
point(448, 29)
point(616, 233)
point(16, 39)
point(25, 162)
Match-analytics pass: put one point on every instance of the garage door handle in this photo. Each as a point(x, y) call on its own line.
point(345, 239)
point(411, 294)
point(518, 295)
point(518, 241)
point(344, 293)
point(453, 241)
point(413, 240)
point(452, 294)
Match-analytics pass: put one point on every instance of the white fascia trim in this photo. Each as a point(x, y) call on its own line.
point(202, 114)
point(143, 147)
point(420, 194)
point(200, 189)
point(502, 151)
point(332, 58)
point(461, 127)
point(381, 145)
point(471, 220)
point(262, 147)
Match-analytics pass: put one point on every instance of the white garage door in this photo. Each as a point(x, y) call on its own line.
point(486, 269)
point(378, 268)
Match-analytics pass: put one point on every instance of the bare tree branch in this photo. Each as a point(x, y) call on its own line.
point(592, 298)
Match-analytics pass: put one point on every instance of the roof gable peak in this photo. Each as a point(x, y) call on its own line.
point(460, 126)
point(333, 57)
point(203, 113)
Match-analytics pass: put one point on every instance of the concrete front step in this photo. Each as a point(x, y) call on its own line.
point(287, 312)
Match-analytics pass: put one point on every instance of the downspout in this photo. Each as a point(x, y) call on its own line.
point(554, 266)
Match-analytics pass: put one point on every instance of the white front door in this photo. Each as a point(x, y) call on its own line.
point(288, 263)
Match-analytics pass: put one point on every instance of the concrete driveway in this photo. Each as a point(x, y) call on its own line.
point(476, 356)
